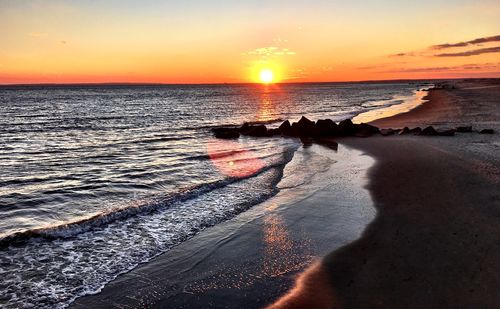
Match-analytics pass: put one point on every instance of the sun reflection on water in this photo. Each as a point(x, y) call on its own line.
point(281, 253)
point(267, 109)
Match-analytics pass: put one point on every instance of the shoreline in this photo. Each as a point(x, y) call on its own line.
point(435, 241)
point(407, 171)
point(259, 252)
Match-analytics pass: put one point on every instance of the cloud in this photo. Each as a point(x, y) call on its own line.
point(409, 54)
point(465, 67)
point(495, 38)
point(428, 52)
point(270, 51)
point(474, 52)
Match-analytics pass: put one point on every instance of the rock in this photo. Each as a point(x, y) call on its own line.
point(346, 128)
point(258, 130)
point(306, 141)
point(486, 131)
point(387, 132)
point(304, 127)
point(326, 127)
point(245, 127)
point(304, 122)
point(365, 130)
point(447, 132)
point(405, 130)
point(363, 134)
point(327, 142)
point(416, 130)
point(226, 133)
point(285, 128)
point(273, 132)
point(464, 129)
point(429, 131)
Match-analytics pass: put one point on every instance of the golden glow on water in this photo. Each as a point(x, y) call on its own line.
point(267, 109)
point(281, 251)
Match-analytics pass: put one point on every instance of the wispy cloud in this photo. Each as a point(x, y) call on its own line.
point(471, 52)
point(465, 67)
point(270, 51)
point(408, 54)
point(495, 38)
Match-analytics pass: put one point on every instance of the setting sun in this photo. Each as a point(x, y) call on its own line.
point(266, 76)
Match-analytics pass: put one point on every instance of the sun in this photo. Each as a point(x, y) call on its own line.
point(266, 76)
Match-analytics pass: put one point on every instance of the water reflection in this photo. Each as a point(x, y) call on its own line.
point(282, 253)
point(267, 110)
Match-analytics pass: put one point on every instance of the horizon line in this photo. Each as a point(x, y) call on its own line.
point(239, 83)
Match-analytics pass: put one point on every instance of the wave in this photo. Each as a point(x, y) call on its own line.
point(95, 250)
point(71, 229)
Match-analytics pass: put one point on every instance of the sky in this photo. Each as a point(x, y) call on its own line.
point(232, 41)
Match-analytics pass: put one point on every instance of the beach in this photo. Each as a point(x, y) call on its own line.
point(415, 225)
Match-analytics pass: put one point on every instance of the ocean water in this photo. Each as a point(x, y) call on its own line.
point(97, 179)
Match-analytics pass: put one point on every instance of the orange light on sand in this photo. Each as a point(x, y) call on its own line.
point(233, 160)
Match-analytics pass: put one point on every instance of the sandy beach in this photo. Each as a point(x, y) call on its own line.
point(417, 225)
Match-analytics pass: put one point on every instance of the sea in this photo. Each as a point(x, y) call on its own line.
point(97, 179)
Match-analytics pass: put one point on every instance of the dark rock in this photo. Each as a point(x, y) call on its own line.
point(447, 132)
point(226, 133)
point(486, 131)
point(365, 130)
point(294, 130)
point(326, 127)
point(306, 141)
point(363, 134)
point(304, 122)
point(464, 129)
point(405, 130)
point(387, 132)
point(285, 128)
point(429, 131)
point(304, 127)
point(273, 132)
point(245, 128)
point(416, 130)
point(258, 130)
point(346, 128)
point(327, 142)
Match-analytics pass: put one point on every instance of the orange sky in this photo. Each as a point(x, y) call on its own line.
point(229, 41)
